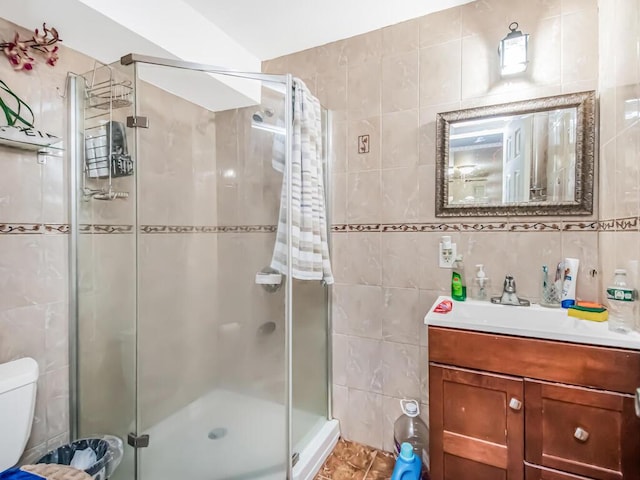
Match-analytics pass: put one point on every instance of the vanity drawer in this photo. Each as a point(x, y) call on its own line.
point(533, 472)
point(582, 431)
point(575, 364)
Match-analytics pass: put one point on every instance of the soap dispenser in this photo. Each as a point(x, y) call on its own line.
point(458, 282)
point(481, 285)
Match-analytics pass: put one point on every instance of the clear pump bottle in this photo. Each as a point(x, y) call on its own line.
point(481, 285)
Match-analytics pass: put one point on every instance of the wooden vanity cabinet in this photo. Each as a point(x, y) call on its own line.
point(501, 411)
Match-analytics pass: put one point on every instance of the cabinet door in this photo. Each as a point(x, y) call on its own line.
point(476, 425)
point(587, 432)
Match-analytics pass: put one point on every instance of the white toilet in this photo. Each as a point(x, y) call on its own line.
point(17, 403)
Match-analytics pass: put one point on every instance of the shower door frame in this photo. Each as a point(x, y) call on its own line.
point(74, 159)
point(287, 82)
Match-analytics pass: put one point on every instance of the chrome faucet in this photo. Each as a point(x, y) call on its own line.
point(509, 296)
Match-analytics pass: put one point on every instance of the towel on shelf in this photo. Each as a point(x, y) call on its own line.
point(310, 248)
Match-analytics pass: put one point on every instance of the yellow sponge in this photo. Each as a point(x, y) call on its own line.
point(601, 316)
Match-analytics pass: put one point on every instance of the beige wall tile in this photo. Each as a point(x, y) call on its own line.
point(402, 318)
point(338, 154)
point(363, 262)
point(339, 359)
point(426, 193)
point(400, 264)
point(364, 364)
point(627, 171)
point(400, 137)
point(440, 73)
point(332, 89)
point(400, 38)
point(364, 86)
point(363, 197)
point(363, 418)
point(580, 52)
point(357, 310)
point(339, 201)
point(584, 246)
point(400, 196)
point(361, 48)
point(440, 27)
point(400, 369)
point(340, 408)
point(357, 161)
point(608, 177)
point(400, 81)
point(391, 410)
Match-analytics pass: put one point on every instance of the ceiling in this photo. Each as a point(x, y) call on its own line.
point(272, 28)
point(236, 34)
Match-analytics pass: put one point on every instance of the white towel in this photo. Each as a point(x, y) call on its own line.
point(310, 249)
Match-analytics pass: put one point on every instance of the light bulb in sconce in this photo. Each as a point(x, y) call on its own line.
point(513, 51)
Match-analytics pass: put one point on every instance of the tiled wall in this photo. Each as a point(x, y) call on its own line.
point(619, 137)
point(390, 84)
point(33, 245)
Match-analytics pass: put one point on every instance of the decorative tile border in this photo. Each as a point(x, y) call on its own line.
point(23, 228)
point(590, 226)
point(101, 229)
point(627, 224)
point(559, 226)
point(160, 229)
point(56, 228)
point(33, 228)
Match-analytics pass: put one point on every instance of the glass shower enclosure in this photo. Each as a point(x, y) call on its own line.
point(185, 343)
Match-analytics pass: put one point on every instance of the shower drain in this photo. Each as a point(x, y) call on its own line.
point(217, 433)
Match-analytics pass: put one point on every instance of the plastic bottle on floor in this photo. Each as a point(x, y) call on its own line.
point(408, 464)
point(410, 428)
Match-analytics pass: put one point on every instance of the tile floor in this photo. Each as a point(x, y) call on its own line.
point(352, 461)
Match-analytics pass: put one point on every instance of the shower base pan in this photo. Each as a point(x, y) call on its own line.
point(230, 436)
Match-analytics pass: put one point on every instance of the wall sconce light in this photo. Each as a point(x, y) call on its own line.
point(513, 51)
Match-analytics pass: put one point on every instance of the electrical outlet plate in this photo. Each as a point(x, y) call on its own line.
point(446, 257)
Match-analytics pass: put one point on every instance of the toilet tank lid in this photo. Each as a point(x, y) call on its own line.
point(18, 373)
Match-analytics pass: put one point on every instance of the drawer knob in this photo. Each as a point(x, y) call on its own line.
point(581, 434)
point(515, 404)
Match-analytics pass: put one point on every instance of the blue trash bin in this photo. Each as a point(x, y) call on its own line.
point(108, 450)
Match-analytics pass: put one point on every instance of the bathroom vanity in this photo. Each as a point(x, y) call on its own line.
point(509, 401)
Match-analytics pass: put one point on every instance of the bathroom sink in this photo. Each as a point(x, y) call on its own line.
point(534, 321)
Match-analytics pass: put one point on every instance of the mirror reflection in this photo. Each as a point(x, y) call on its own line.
point(534, 157)
point(513, 159)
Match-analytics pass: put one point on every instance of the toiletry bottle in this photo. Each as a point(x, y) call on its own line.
point(480, 287)
point(549, 293)
point(568, 297)
point(458, 282)
point(621, 299)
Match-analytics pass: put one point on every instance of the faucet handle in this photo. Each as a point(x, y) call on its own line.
point(509, 284)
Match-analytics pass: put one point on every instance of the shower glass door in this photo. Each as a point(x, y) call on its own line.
point(211, 337)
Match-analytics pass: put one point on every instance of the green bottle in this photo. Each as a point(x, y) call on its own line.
point(458, 283)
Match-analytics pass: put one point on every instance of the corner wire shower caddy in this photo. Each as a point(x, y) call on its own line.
point(102, 164)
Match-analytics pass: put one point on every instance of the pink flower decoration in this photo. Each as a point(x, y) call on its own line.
point(18, 51)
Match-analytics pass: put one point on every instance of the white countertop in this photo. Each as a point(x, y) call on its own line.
point(534, 321)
